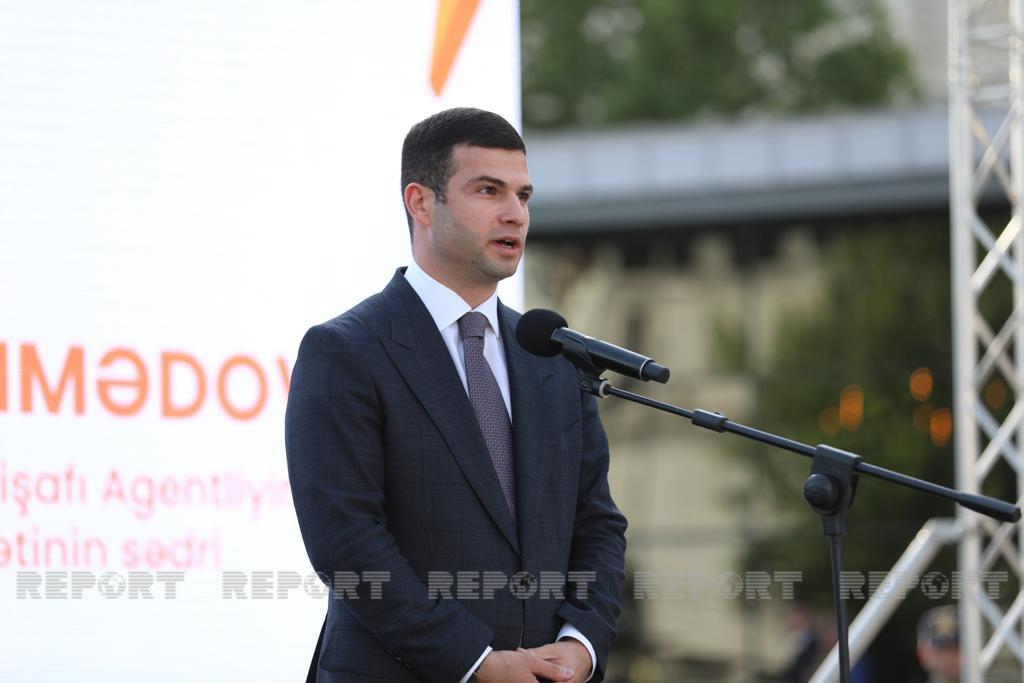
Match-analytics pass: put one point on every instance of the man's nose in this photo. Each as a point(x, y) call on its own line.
point(515, 212)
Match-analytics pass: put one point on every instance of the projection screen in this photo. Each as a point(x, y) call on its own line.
point(185, 188)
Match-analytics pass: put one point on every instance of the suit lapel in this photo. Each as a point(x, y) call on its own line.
point(534, 423)
point(418, 351)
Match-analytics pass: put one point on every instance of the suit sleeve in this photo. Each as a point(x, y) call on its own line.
point(598, 545)
point(336, 466)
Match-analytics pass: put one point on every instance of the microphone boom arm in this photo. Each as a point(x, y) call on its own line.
point(829, 489)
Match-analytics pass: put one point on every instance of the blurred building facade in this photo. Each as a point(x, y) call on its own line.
point(688, 243)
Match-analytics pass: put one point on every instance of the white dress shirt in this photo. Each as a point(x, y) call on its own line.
point(446, 307)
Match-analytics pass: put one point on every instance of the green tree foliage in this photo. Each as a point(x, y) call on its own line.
point(884, 312)
point(589, 62)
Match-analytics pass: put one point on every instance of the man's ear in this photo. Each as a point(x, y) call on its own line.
point(419, 202)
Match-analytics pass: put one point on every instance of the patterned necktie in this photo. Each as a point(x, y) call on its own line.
point(487, 402)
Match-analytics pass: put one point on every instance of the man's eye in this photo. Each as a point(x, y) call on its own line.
point(488, 189)
point(524, 196)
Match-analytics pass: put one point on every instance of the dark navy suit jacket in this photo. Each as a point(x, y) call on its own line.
point(390, 474)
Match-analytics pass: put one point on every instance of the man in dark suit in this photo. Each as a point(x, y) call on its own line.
point(450, 487)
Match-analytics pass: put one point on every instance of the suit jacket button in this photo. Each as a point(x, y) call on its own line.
point(522, 584)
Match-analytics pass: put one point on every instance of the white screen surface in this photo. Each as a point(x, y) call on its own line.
point(185, 187)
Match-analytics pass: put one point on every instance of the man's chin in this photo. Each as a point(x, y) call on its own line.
point(505, 276)
point(501, 272)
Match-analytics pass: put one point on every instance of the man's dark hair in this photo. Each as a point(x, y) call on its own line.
point(427, 150)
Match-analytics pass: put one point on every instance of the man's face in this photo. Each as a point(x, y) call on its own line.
point(478, 232)
point(941, 661)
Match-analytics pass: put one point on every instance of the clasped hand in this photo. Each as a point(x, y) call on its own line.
point(566, 660)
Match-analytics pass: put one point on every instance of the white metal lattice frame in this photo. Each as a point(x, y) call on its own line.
point(985, 74)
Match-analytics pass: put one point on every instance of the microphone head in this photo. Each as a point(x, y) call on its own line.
point(534, 331)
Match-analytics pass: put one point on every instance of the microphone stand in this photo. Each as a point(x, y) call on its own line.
point(829, 489)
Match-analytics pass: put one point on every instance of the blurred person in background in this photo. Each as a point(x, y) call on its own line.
point(938, 644)
point(806, 643)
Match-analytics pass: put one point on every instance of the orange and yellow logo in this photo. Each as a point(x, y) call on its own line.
point(453, 19)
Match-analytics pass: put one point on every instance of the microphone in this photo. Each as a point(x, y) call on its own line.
point(546, 333)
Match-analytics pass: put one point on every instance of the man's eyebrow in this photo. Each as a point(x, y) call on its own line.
point(497, 182)
point(487, 179)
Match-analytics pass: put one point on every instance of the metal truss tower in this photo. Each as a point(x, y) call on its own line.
point(986, 162)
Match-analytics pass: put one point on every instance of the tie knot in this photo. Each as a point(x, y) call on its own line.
point(472, 324)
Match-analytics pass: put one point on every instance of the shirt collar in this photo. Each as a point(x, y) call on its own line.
point(444, 305)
